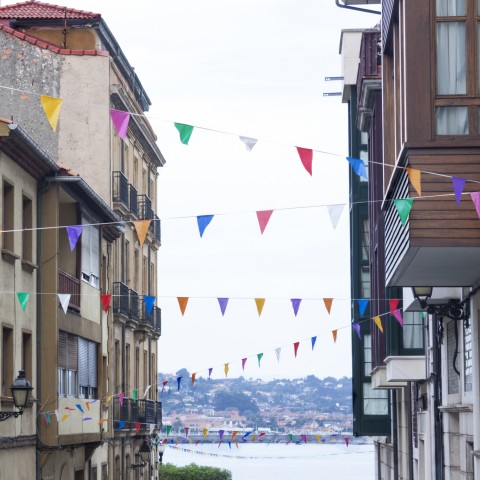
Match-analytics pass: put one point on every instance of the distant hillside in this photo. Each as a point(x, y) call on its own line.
point(300, 403)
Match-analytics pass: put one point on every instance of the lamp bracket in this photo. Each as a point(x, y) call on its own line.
point(7, 415)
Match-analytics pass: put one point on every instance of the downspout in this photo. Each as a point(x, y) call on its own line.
point(437, 396)
point(394, 433)
point(410, 408)
point(358, 9)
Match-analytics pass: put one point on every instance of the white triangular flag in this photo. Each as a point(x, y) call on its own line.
point(152, 427)
point(249, 142)
point(335, 212)
point(146, 391)
point(64, 299)
point(57, 413)
point(277, 353)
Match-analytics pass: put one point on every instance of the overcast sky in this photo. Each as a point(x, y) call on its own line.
point(252, 68)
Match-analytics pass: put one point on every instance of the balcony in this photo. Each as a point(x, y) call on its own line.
point(120, 193)
point(132, 195)
point(71, 285)
point(150, 412)
point(121, 299)
point(121, 411)
point(157, 315)
point(145, 211)
point(406, 368)
point(144, 319)
point(134, 305)
point(154, 232)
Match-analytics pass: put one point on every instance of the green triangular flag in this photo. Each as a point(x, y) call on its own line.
point(185, 132)
point(134, 394)
point(403, 205)
point(23, 299)
point(169, 429)
point(259, 356)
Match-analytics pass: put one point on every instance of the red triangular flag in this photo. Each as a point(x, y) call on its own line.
point(106, 299)
point(137, 427)
point(295, 347)
point(393, 302)
point(263, 218)
point(306, 155)
point(193, 378)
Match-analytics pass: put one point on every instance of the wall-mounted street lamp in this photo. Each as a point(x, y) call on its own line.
point(161, 451)
point(21, 389)
point(144, 456)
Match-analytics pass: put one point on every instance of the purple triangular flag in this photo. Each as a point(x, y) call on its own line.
point(296, 304)
point(179, 379)
point(356, 327)
point(223, 304)
point(220, 433)
point(314, 339)
point(398, 316)
point(476, 201)
point(362, 305)
point(458, 184)
point(203, 221)
point(120, 121)
point(149, 301)
point(74, 233)
point(210, 370)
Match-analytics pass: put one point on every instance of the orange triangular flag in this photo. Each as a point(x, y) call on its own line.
point(328, 303)
point(51, 106)
point(260, 303)
point(414, 176)
point(105, 301)
point(182, 303)
point(142, 226)
point(193, 377)
point(102, 420)
point(378, 322)
point(334, 335)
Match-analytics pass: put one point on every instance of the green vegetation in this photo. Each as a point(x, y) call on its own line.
point(192, 472)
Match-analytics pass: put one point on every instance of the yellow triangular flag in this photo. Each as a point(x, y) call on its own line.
point(319, 438)
point(253, 438)
point(205, 432)
point(260, 303)
point(415, 179)
point(226, 369)
point(142, 227)
point(51, 106)
point(378, 322)
point(64, 418)
point(109, 398)
point(328, 303)
point(182, 303)
point(334, 334)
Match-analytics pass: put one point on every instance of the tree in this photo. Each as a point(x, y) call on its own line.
point(192, 472)
point(224, 400)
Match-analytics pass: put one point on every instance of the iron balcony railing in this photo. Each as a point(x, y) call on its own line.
point(132, 193)
point(120, 188)
point(157, 315)
point(145, 211)
point(154, 228)
point(134, 305)
point(71, 285)
point(120, 298)
point(121, 411)
point(144, 317)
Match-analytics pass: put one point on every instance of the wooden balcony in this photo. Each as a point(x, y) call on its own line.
point(71, 285)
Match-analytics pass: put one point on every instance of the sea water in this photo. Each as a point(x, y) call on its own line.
point(256, 461)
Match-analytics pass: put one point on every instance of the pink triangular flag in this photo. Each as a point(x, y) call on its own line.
point(263, 218)
point(244, 361)
point(120, 121)
point(398, 315)
point(306, 155)
point(121, 396)
point(475, 196)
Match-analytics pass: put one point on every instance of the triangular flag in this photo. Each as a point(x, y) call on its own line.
point(398, 315)
point(261, 435)
point(260, 302)
point(358, 167)
point(335, 212)
point(393, 303)
point(182, 303)
point(187, 429)
point(210, 370)
point(134, 394)
point(64, 299)
point(290, 436)
point(230, 445)
point(169, 429)
point(356, 327)
point(203, 221)
point(179, 379)
point(234, 434)
point(79, 407)
point(403, 206)
point(23, 299)
point(277, 353)
point(223, 304)
point(205, 432)
point(193, 378)
point(185, 132)
point(415, 176)
point(334, 335)
point(304, 438)
point(164, 385)
point(141, 227)
point(314, 339)
point(246, 435)
point(220, 434)
point(102, 420)
point(73, 233)
point(244, 361)
point(47, 415)
point(249, 142)
point(296, 304)
point(253, 438)
point(120, 121)
point(51, 107)
point(121, 424)
point(45, 418)
point(226, 369)
point(148, 300)
point(378, 322)
point(259, 357)
point(475, 196)
point(137, 427)
point(106, 299)
point(306, 156)
point(346, 441)
point(319, 438)
point(263, 217)
point(146, 391)
point(236, 444)
point(328, 304)
point(64, 418)
point(362, 305)
point(121, 396)
point(295, 348)
point(458, 185)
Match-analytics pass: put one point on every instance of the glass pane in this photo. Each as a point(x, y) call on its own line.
point(449, 8)
point(468, 358)
point(451, 120)
point(375, 402)
point(451, 68)
point(412, 330)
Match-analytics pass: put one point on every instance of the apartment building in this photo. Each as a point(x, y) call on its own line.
point(72, 55)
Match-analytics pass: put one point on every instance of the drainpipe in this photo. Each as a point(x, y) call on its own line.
point(437, 396)
point(410, 408)
point(394, 433)
point(358, 9)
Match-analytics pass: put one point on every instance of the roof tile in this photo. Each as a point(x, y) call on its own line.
point(34, 9)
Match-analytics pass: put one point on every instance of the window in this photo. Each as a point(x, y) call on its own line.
point(27, 234)
point(412, 330)
point(67, 363)
point(93, 473)
point(87, 368)
point(365, 239)
point(145, 369)
point(137, 367)
point(137, 269)
point(8, 206)
point(457, 76)
point(27, 354)
point(127, 261)
point(451, 347)
point(145, 285)
point(365, 282)
point(7, 361)
point(127, 368)
point(118, 366)
point(90, 253)
point(375, 402)
point(367, 354)
point(467, 358)
point(104, 471)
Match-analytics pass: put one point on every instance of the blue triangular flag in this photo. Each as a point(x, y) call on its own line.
point(362, 305)
point(314, 339)
point(74, 233)
point(149, 301)
point(203, 221)
point(179, 379)
point(121, 424)
point(296, 304)
point(358, 167)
